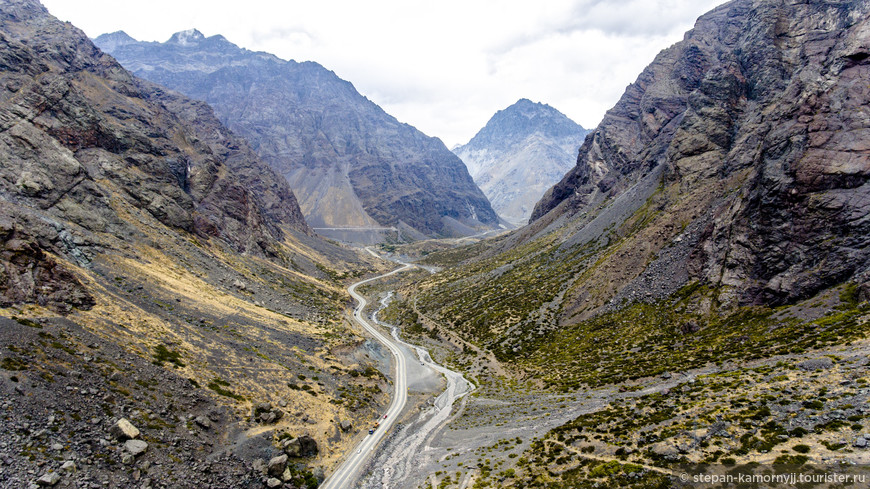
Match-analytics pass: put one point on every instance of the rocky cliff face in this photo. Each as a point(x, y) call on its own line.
point(79, 133)
point(764, 95)
point(521, 152)
point(349, 162)
point(149, 261)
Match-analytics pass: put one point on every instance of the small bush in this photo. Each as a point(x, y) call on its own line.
point(218, 385)
point(163, 354)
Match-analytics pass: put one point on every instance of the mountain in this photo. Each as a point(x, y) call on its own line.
point(521, 152)
point(736, 162)
point(153, 268)
point(710, 246)
point(758, 145)
point(350, 163)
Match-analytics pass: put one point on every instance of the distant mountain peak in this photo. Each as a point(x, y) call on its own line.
point(522, 119)
point(519, 154)
point(113, 40)
point(186, 38)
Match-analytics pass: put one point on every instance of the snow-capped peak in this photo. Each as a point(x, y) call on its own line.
point(187, 38)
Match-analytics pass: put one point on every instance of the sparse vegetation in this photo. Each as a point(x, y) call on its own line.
point(220, 386)
point(163, 354)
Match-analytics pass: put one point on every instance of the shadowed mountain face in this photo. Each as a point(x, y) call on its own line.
point(520, 153)
point(349, 162)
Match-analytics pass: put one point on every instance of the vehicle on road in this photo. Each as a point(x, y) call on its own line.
point(372, 431)
point(385, 416)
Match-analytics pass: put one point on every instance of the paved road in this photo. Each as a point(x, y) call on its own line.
point(348, 471)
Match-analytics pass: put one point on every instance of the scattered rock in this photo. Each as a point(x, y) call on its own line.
point(239, 284)
point(124, 430)
point(49, 479)
point(666, 375)
point(68, 466)
point(823, 363)
point(273, 482)
point(260, 466)
point(265, 413)
point(136, 447)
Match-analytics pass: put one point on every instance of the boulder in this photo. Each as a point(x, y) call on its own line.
point(272, 483)
point(345, 425)
point(860, 442)
point(259, 466)
point(308, 446)
point(136, 447)
point(203, 422)
point(48, 480)
point(277, 465)
point(292, 447)
point(823, 363)
point(124, 430)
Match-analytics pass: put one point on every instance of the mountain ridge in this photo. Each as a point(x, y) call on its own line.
point(150, 262)
point(350, 163)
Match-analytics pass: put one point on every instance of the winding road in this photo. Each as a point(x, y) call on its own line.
point(348, 471)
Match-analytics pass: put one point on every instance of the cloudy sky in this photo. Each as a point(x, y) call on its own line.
point(445, 67)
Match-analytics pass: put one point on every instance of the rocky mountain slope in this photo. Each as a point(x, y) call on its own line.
point(715, 225)
point(153, 268)
point(521, 152)
point(349, 162)
point(778, 114)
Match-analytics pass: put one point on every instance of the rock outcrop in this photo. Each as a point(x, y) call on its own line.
point(521, 152)
point(28, 273)
point(349, 162)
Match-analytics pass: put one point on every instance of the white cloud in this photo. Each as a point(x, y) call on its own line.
point(444, 67)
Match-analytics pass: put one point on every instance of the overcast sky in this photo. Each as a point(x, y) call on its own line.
point(443, 66)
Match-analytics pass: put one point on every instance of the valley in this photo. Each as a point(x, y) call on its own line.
point(282, 286)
